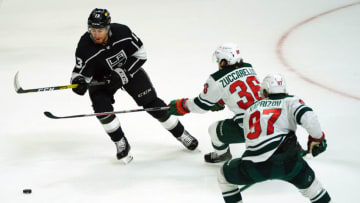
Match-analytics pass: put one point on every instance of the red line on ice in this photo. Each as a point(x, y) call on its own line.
point(281, 42)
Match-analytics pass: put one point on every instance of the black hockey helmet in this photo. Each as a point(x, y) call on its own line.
point(99, 18)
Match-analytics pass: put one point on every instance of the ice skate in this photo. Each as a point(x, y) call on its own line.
point(188, 141)
point(123, 151)
point(213, 157)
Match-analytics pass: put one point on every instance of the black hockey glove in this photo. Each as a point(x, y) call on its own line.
point(118, 78)
point(316, 146)
point(82, 85)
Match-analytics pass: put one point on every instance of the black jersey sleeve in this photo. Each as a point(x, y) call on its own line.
point(85, 51)
point(133, 64)
point(135, 52)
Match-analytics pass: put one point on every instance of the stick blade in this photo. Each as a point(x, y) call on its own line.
point(17, 86)
point(50, 115)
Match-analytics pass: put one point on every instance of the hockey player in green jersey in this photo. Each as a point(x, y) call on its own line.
point(235, 85)
point(271, 150)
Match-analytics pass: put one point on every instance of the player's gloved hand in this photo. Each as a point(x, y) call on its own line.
point(178, 107)
point(218, 106)
point(316, 146)
point(118, 78)
point(82, 85)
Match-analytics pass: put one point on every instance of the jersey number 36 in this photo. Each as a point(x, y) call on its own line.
point(254, 86)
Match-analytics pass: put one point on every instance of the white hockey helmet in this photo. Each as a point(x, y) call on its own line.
point(274, 84)
point(229, 52)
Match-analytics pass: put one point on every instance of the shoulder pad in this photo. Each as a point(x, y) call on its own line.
point(120, 30)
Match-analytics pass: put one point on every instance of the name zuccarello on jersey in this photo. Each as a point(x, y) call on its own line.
point(234, 75)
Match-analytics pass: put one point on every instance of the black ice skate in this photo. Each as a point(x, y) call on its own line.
point(213, 157)
point(188, 141)
point(123, 148)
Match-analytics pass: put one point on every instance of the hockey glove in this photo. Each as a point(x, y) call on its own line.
point(218, 106)
point(118, 78)
point(178, 107)
point(82, 85)
point(316, 146)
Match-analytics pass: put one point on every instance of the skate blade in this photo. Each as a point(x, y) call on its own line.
point(127, 159)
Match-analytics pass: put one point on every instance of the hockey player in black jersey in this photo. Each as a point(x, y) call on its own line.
point(112, 52)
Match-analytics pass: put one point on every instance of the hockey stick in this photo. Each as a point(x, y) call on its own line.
point(50, 115)
point(20, 90)
point(243, 188)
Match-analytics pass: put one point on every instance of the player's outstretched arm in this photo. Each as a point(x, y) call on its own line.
point(178, 107)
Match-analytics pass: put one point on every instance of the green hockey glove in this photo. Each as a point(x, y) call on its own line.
point(178, 107)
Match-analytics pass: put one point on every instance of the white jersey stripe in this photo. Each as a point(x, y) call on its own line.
point(132, 66)
point(264, 143)
point(128, 38)
point(206, 102)
point(135, 45)
point(299, 109)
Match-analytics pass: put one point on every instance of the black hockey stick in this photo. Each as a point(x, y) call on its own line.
point(50, 115)
point(20, 90)
point(243, 188)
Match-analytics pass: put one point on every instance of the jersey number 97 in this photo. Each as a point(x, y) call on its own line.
point(254, 122)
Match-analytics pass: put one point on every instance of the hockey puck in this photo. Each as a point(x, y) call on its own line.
point(27, 191)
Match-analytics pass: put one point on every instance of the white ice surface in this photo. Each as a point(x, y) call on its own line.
point(74, 160)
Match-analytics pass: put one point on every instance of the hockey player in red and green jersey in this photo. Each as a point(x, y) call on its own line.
point(271, 150)
point(235, 85)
